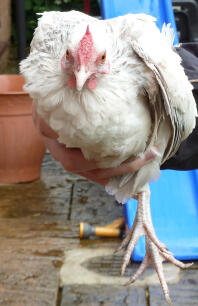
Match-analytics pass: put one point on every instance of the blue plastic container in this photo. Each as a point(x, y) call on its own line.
point(174, 197)
point(174, 210)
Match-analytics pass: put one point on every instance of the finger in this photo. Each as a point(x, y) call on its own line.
point(41, 126)
point(93, 178)
point(72, 159)
point(45, 130)
point(127, 167)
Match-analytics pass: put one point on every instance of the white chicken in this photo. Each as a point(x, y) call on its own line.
point(114, 88)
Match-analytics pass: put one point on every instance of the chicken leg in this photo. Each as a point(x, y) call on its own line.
point(156, 252)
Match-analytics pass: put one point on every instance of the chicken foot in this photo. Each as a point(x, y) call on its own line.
point(156, 252)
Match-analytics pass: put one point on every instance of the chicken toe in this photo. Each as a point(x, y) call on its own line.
point(156, 252)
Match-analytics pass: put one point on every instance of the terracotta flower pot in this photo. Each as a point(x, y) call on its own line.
point(21, 150)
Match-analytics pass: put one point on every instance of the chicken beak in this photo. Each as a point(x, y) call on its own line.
point(81, 77)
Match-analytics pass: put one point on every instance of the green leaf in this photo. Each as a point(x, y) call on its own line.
point(28, 5)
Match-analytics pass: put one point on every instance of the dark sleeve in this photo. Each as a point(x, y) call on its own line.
point(187, 156)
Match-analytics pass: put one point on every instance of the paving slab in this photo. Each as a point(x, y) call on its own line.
point(90, 203)
point(28, 275)
point(103, 295)
point(33, 227)
point(184, 293)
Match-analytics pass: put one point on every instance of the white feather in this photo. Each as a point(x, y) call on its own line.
point(168, 33)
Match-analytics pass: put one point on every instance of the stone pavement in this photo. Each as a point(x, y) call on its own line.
point(43, 262)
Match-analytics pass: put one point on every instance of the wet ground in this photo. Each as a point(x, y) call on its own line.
point(43, 262)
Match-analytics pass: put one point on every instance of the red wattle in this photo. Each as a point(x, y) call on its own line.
point(72, 81)
point(92, 83)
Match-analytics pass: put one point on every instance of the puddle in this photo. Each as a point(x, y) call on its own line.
point(77, 269)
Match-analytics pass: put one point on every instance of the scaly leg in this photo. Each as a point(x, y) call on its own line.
point(156, 252)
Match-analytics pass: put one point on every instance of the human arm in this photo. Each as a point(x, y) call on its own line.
point(186, 157)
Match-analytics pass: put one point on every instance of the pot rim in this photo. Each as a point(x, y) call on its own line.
point(10, 93)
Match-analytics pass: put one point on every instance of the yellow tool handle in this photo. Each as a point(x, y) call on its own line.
point(107, 232)
point(118, 223)
point(86, 230)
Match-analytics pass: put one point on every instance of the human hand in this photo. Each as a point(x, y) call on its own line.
point(73, 160)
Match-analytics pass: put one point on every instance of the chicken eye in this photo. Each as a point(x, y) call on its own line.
point(103, 57)
point(67, 54)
